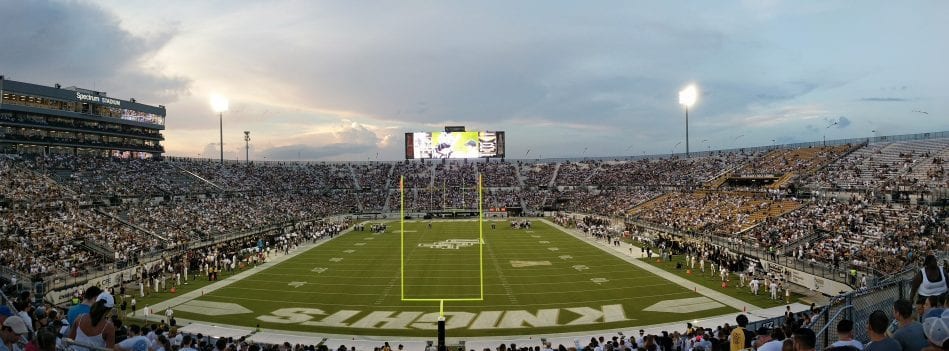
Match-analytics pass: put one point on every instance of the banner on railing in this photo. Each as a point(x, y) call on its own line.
point(812, 282)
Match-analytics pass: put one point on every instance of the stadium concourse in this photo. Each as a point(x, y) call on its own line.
point(853, 211)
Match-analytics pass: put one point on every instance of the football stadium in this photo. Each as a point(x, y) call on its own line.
point(118, 233)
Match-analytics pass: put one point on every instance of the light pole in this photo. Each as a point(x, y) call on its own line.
point(687, 97)
point(246, 146)
point(219, 104)
point(825, 132)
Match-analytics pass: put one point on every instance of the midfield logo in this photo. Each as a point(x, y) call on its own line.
point(451, 244)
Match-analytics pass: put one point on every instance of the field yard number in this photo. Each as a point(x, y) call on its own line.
point(580, 267)
point(318, 270)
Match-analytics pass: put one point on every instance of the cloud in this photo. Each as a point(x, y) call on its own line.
point(311, 152)
point(213, 151)
point(843, 122)
point(883, 99)
point(81, 44)
point(329, 143)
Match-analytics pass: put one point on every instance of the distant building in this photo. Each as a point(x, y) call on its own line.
point(38, 119)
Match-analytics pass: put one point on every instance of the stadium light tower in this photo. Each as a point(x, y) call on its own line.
point(246, 146)
point(825, 131)
point(219, 105)
point(687, 97)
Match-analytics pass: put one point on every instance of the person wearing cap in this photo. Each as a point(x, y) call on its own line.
point(764, 341)
point(937, 332)
point(12, 334)
point(845, 335)
point(88, 298)
point(909, 332)
point(5, 313)
point(876, 329)
point(95, 328)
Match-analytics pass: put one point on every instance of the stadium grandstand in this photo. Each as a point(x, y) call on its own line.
point(861, 213)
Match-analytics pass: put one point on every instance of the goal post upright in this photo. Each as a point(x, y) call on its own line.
point(481, 233)
point(402, 235)
point(441, 301)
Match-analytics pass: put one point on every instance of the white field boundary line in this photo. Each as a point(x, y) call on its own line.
point(480, 342)
point(621, 253)
point(159, 308)
point(538, 305)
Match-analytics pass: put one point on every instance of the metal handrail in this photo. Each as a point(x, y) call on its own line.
point(69, 343)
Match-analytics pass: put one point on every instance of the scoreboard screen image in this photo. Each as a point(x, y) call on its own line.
point(454, 145)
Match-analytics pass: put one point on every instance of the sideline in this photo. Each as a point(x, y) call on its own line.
point(158, 309)
point(622, 253)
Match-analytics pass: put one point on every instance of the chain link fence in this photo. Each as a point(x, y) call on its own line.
point(858, 305)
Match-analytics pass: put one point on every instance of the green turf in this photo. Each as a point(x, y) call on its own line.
point(366, 280)
point(713, 281)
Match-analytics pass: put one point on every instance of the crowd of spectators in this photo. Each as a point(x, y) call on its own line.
point(456, 175)
point(674, 171)
point(272, 177)
point(499, 174)
point(576, 173)
point(783, 161)
point(537, 174)
point(102, 176)
point(608, 201)
point(18, 183)
point(373, 176)
point(162, 204)
point(913, 165)
point(416, 174)
point(712, 212)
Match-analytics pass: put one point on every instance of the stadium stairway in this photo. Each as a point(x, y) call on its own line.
point(553, 179)
point(717, 181)
point(218, 187)
point(352, 173)
point(98, 249)
point(130, 224)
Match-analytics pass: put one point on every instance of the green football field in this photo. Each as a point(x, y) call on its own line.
point(533, 282)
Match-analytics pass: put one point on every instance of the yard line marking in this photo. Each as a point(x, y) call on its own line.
point(497, 268)
point(590, 289)
point(385, 292)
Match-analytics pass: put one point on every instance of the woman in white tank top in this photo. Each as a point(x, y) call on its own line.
point(931, 281)
point(95, 329)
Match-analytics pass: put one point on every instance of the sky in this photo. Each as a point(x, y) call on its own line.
point(344, 80)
